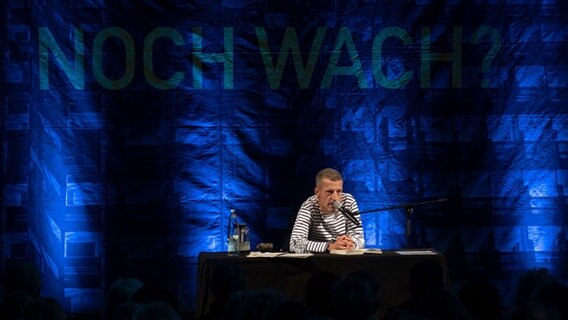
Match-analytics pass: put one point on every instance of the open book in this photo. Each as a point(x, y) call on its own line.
point(348, 252)
point(356, 251)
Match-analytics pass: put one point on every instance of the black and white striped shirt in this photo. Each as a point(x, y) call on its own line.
point(319, 228)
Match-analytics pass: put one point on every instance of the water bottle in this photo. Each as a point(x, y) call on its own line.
point(233, 238)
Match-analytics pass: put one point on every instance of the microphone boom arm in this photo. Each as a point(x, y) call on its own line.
point(409, 208)
point(406, 205)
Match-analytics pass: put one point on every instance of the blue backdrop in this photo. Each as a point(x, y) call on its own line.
point(131, 128)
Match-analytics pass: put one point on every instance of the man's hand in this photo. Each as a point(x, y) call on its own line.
point(343, 242)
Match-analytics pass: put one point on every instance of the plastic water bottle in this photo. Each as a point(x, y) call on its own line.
point(233, 238)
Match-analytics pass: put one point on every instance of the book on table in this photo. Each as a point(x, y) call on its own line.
point(347, 251)
point(356, 251)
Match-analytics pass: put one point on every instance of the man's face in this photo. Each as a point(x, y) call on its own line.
point(328, 192)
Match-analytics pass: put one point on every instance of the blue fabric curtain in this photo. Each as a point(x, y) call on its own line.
point(131, 128)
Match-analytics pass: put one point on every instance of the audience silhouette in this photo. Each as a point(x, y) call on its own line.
point(441, 304)
point(528, 283)
point(481, 299)
point(151, 292)
point(227, 279)
point(155, 310)
point(425, 276)
point(22, 298)
point(318, 290)
point(356, 296)
point(253, 305)
point(119, 297)
point(540, 296)
point(537, 296)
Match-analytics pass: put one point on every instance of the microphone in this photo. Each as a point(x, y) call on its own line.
point(345, 212)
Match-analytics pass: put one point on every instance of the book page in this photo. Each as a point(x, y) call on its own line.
point(347, 252)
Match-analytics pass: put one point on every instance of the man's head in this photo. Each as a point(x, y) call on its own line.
point(329, 186)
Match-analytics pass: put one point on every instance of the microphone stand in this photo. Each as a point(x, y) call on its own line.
point(409, 209)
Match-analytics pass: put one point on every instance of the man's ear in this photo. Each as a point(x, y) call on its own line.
point(315, 190)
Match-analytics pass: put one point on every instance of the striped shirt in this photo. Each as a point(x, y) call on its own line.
point(319, 229)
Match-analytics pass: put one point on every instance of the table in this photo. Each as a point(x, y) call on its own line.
point(289, 275)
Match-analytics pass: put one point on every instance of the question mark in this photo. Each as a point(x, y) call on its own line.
point(490, 55)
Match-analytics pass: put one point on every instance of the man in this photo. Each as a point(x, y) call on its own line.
point(319, 225)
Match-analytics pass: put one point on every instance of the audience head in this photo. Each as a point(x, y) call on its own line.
point(120, 292)
point(156, 310)
point(554, 296)
point(318, 289)
point(123, 311)
point(355, 296)
point(151, 292)
point(373, 282)
point(481, 299)
point(249, 305)
point(540, 297)
point(442, 304)
point(528, 283)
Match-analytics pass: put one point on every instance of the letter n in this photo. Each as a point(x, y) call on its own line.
point(48, 44)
